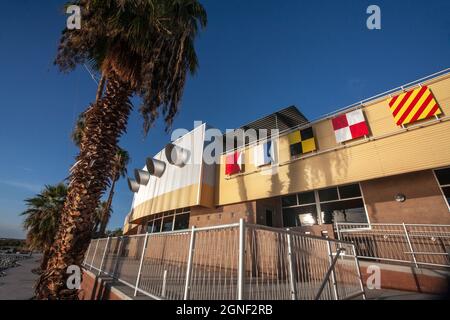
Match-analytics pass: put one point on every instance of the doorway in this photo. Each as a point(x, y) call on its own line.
point(269, 218)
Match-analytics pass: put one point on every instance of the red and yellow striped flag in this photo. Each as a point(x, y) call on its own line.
point(414, 105)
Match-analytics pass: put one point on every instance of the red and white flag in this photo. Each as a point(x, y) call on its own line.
point(234, 163)
point(350, 126)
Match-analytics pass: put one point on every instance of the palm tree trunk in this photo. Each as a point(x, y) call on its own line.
point(45, 258)
point(105, 216)
point(106, 120)
point(100, 88)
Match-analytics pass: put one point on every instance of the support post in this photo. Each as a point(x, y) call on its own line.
point(333, 272)
point(87, 254)
point(410, 245)
point(187, 285)
point(359, 272)
point(95, 251)
point(291, 268)
point(103, 257)
point(140, 264)
point(163, 290)
point(241, 262)
point(119, 250)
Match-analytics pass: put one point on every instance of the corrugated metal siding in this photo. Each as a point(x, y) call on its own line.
point(418, 149)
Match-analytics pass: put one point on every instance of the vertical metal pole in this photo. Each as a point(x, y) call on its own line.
point(410, 245)
point(291, 268)
point(333, 273)
point(163, 290)
point(140, 264)
point(103, 257)
point(93, 256)
point(187, 285)
point(358, 270)
point(241, 263)
point(87, 253)
point(119, 249)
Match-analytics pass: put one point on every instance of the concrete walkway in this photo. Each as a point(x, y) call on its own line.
point(386, 294)
point(19, 281)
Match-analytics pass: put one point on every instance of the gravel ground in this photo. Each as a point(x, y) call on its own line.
point(10, 261)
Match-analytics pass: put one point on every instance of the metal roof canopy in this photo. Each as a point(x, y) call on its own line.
point(282, 120)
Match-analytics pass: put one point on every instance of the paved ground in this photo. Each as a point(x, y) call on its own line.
point(19, 281)
point(385, 294)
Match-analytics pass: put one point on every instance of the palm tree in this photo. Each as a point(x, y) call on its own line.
point(42, 218)
point(141, 47)
point(119, 169)
point(99, 214)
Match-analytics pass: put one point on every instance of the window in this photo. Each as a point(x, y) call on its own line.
point(343, 211)
point(443, 177)
point(306, 198)
point(350, 191)
point(300, 216)
point(167, 224)
point(157, 226)
point(337, 204)
point(169, 221)
point(289, 201)
point(329, 194)
point(181, 222)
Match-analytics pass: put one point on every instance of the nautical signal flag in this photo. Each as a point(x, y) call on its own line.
point(234, 163)
point(302, 141)
point(265, 153)
point(414, 105)
point(350, 126)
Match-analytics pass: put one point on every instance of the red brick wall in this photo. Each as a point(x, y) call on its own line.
point(409, 279)
point(204, 217)
point(424, 201)
point(96, 289)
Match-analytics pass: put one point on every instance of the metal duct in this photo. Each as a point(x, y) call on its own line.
point(176, 155)
point(155, 167)
point(133, 185)
point(142, 177)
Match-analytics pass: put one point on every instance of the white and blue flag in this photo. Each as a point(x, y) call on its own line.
point(265, 153)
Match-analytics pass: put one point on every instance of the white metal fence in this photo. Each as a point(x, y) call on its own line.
point(236, 261)
point(418, 244)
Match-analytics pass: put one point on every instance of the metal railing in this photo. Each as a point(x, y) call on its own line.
point(229, 262)
point(417, 244)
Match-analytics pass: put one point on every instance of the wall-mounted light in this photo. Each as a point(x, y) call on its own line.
point(176, 155)
point(133, 185)
point(400, 197)
point(155, 167)
point(142, 177)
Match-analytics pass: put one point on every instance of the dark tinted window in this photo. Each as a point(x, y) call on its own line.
point(182, 222)
point(168, 224)
point(306, 198)
point(300, 216)
point(350, 191)
point(446, 191)
point(443, 176)
point(157, 226)
point(289, 200)
point(328, 194)
point(344, 211)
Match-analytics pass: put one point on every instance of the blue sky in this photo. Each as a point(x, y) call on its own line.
point(255, 57)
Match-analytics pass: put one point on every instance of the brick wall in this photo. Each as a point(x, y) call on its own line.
point(424, 201)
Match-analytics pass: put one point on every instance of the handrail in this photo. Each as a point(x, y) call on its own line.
point(329, 272)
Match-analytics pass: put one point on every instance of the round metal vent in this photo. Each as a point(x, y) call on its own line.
point(155, 167)
point(176, 155)
point(142, 177)
point(133, 185)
